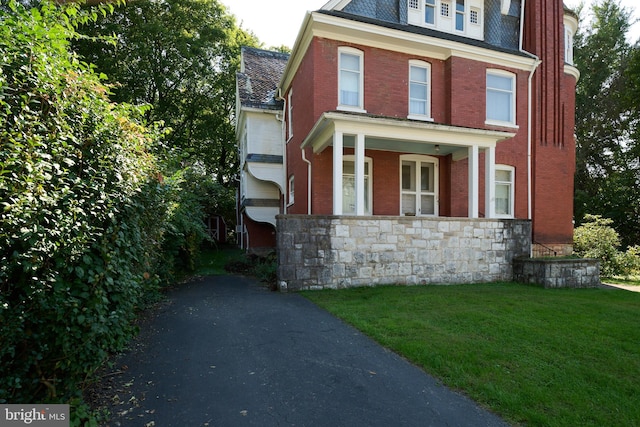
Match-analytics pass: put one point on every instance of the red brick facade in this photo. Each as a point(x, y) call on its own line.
point(458, 96)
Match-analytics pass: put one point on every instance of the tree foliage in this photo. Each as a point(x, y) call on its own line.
point(81, 208)
point(607, 121)
point(596, 238)
point(180, 56)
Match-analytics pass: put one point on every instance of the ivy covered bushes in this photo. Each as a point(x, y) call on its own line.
point(84, 210)
point(596, 238)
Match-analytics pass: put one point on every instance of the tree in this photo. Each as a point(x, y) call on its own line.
point(179, 56)
point(607, 122)
point(82, 212)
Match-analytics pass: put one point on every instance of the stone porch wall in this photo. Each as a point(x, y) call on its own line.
point(317, 252)
point(557, 272)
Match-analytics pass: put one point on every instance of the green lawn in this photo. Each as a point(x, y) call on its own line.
point(211, 261)
point(536, 357)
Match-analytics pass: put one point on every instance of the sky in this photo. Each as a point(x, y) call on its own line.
point(274, 22)
point(277, 22)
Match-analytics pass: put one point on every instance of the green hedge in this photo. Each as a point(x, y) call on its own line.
point(82, 209)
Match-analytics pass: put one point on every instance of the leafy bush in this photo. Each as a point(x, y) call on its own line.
point(81, 209)
point(595, 238)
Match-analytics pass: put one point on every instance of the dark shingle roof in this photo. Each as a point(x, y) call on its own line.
point(257, 84)
point(422, 31)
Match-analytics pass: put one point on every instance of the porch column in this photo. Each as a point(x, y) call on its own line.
point(490, 182)
point(359, 172)
point(337, 172)
point(474, 162)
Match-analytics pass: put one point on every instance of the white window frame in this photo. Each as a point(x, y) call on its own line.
point(360, 55)
point(512, 119)
point(434, 4)
point(445, 6)
point(475, 11)
point(290, 114)
point(511, 184)
point(568, 45)
point(292, 190)
point(418, 160)
point(462, 13)
point(425, 65)
point(368, 183)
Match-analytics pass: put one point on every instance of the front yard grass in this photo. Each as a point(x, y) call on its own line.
point(534, 356)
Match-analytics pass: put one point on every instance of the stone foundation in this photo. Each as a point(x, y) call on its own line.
point(557, 272)
point(317, 252)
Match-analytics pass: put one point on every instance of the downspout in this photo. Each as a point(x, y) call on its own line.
point(304, 159)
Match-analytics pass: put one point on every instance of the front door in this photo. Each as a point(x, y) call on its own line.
point(419, 185)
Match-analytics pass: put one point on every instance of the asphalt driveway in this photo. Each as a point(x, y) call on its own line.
point(225, 351)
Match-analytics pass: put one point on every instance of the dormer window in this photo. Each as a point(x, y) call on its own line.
point(464, 17)
point(444, 9)
point(430, 12)
point(460, 15)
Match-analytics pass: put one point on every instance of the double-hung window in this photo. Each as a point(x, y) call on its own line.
point(460, 15)
point(504, 191)
point(501, 98)
point(350, 79)
point(419, 90)
point(568, 45)
point(430, 12)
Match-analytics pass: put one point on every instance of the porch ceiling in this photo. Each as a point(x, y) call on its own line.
point(400, 135)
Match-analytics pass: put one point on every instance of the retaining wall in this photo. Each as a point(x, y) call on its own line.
point(557, 272)
point(317, 252)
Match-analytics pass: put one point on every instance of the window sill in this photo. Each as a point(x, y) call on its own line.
point(502, 124)
point(504, 217)
point(419, 117)
point(351, 109)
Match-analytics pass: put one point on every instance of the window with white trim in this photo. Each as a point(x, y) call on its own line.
point(349, 185)
point(474, 16)
point(430, 12)
point(568, 46)
point(350, 76)
point(292, 189)
point(444, 9)
point(460, 15)
point(504, 191)
point(501, 98)
point(290, 113)
point(419, 90)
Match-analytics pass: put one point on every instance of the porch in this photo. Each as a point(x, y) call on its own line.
point(318, 251)
point(357, 147)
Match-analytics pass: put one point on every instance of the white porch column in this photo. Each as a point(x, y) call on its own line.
point(490, 182)
point(359, 172)
point(474, 162)
point(337, 172)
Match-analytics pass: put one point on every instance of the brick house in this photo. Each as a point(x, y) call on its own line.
point(410, 141)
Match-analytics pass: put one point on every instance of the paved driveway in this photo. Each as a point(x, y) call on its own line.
point(224, 351)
